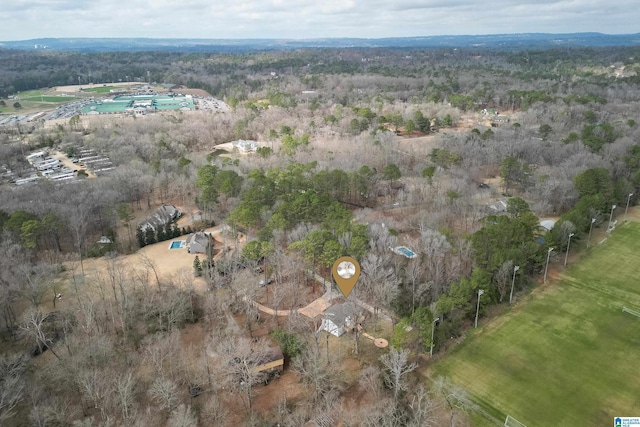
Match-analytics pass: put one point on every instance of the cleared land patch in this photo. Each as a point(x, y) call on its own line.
point(569, 354)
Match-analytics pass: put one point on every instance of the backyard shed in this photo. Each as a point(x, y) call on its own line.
point(272, 361)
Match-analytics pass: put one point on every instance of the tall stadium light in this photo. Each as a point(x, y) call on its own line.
point(513, 281)
point(568, 246)
point(433, 327)
point(590, 228)
point(480, 292)
point(546, 267)
point(627, 208)
point(611, 215)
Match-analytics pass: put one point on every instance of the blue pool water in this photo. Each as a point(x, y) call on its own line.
point(175, 245)
point(406, 252)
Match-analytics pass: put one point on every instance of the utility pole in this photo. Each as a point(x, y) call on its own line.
point(433, 327)
point(480, 292)
point(546, 267)
point(566, 256)
point(513, 282)
point(590, 228)
point(627, 208)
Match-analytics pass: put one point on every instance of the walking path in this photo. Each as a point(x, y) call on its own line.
point(319, 305)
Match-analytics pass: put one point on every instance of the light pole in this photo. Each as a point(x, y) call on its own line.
point(480, 292)
point(627, 208)
point(590, 228)
point(547, 265)
point(611, 215)
point(568, 245)
point(433, 327)
point(513, 281)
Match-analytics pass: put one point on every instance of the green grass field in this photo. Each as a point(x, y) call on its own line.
point(46, 98)
point(566, 355)
point(100, 89)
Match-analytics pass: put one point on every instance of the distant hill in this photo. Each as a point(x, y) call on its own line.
point(494, 41)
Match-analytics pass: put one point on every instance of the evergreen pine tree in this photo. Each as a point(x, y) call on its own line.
point(168, 232)
point(141, 237)
point(160, 236)
point(197, 267)
point(150, 236)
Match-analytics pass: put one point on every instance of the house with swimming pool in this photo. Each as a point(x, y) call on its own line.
point(198, 242)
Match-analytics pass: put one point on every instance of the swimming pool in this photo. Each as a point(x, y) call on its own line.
point(177, 244)
point(403, 250)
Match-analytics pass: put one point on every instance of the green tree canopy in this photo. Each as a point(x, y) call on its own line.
point(594, 181)
point(506, 238)
point(391, 172)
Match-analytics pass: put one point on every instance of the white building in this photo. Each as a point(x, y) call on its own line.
point(338, 319)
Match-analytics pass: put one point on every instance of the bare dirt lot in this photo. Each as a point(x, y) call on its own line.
point(187, 91)
point(77, 88)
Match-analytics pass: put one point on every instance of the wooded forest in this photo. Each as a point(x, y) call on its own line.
point(361, 150)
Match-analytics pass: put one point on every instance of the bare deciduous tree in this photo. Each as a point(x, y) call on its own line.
point(182, 416)
point(414, 271)
point(422, 408)
point(371, 381)
point(214, 412)
point(315, 372)
point(36, 281)
point(397, 366)
point(503, 277)
point(35, 325)
point(456, 397)
point(11, 385)
point(124, 385)
point(150, 264)
point(165, 393)
point(379, 281)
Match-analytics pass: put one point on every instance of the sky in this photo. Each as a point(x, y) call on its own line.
point(304, 19)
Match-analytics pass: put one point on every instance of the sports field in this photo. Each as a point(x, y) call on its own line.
point(49, 98)
point(567, 354)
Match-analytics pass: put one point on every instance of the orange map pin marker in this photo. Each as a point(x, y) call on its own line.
point(346, 271)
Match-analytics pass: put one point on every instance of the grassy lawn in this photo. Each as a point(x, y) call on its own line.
point(46, 98)
point(101, 89)
point(567, 354)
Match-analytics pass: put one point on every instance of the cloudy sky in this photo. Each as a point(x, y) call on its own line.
point(299, 19)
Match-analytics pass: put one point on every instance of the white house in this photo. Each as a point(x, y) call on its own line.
point(338, 319)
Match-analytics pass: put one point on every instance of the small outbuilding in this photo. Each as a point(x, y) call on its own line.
point(271, 361)
point(547, 224)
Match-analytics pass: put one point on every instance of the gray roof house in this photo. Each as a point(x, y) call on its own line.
point(165, 214)
point(338, 319)
point(198, 242)
point(499, 206)
point(245, 146)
